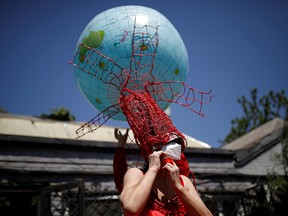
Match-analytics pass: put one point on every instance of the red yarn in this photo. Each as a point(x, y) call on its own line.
point(184, 168)
point(151, 126)
point(155, 207)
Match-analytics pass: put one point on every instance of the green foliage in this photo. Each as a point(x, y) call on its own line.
point(2, 110)
point(278, 185)
point(257, 112)
point(258, 203)
point(271, 199)
point(60, 114)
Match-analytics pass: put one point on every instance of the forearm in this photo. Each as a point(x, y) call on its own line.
point(193, 204)
point(134, 198)
point(119, 167)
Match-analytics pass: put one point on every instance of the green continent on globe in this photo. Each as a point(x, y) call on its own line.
point(135, 39)
point(176, 71)
point(93, 40)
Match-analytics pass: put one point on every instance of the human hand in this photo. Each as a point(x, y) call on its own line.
point(166, 160)
point(155, 160)
point(122, 138)
point(173, 174)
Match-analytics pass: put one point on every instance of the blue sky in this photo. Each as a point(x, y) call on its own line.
point(233, 46)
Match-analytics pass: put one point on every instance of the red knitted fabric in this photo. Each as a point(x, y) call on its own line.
point(151, 126)
point(155, 207)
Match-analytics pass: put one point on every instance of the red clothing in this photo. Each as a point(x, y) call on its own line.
point(119, 167)
point(155, 207)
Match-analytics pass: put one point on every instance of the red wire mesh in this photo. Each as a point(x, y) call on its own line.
point(139, 91)
point(151, 126)
point(113, 74)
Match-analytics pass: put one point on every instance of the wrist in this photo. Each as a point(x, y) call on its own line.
point(154, 169)
point(178, 188)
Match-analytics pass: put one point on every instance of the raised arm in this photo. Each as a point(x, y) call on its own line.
point(119, 161)
point(137, 186)
point(191, 200)
point(187, 193)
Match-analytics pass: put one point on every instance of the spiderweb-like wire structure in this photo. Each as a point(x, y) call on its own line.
point(140, 91)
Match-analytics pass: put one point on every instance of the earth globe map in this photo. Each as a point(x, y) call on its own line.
point(111, 34)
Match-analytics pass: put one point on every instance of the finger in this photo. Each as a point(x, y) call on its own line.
point(115, 132)
point(167, 167)
point(170, 169)
point(127, 130)
point(158, 152)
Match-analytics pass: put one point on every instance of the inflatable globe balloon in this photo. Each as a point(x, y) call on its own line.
point(136, 39)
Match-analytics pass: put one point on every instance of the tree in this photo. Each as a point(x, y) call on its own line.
point(271, 196)
point(2, 110)
point(61, 114)
point(258, 112)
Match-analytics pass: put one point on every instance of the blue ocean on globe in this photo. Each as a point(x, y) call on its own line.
point(111, 33)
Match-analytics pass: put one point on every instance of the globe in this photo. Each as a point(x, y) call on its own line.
point(112, 34)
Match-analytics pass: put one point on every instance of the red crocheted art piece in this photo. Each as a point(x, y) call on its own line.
point(125, 79)
point(151, 126)
point(140, 93)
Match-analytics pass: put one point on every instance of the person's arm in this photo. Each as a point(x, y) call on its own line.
point(187, 193)
point(121, 138)
point(119, 160)
point(191, 200)
point(137, 186)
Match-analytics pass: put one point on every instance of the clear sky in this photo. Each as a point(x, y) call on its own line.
point(233, 46)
